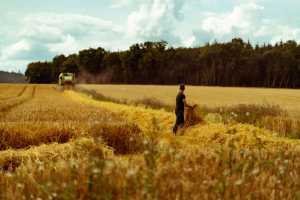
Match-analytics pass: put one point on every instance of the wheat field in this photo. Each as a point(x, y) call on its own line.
point(57, 144)
point(210, 96)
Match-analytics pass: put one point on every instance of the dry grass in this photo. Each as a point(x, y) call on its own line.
point(75, 149)
point(24, 135)
point(67, 145)
point(286, 127)
point(123, 138)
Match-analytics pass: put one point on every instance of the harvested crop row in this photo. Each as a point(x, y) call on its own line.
point(50, 117)
point(124, 138)
point(138, 115)
point(23, 135)
point(75, 149)
point(239, 135)
point(26, 95)
point(11, 91)
point(50, 105)
point(118, 138)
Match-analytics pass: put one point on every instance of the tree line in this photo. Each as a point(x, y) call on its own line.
point(234, 63)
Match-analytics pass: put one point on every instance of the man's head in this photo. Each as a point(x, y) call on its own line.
point(181, 87)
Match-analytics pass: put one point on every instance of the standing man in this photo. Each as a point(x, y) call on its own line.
point(179, 111)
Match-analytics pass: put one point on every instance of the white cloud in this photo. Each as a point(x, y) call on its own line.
point(240, 22)
point(120, 3)
point(155, 20)
point(246, 20)
point(71, 23)
point(68, 45)
point(242, 18)
point(16, 49)
point(59, 29)
point(276, 33)
point(44, 35)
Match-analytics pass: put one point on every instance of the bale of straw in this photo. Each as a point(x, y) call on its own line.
point(193, 116)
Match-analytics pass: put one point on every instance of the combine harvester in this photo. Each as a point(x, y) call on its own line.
point(66, 80)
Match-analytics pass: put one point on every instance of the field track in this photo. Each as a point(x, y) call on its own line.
point(26, 94)
point(11, 91)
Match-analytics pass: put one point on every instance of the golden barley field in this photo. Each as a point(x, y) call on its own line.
point(68, 144)
point(210, 96)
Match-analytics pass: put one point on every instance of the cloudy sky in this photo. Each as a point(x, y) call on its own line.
point(39, 30)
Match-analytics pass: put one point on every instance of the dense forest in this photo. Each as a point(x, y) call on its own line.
point(234, 63)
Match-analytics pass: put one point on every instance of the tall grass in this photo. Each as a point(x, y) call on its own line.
point(286, 127)
point(270, 117)
point(242, 113)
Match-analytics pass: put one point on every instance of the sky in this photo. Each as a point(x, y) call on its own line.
point(35, 30)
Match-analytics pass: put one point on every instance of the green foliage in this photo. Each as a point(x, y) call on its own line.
point(70, 64)
point(91, 60)
point(57, 66)
point(234, 63)
point(39, 72)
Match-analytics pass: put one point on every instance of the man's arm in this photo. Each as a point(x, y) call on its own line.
point(186, 104)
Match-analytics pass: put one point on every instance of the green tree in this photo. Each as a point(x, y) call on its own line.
point(57, 63)
point(70, 64)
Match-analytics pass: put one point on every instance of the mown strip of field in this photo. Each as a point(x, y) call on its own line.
point(9, 91)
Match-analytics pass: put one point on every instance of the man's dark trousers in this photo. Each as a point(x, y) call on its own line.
point(179, 120)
